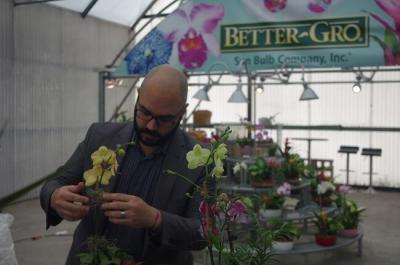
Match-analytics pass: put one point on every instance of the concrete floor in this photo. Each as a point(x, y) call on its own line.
point(381, 243)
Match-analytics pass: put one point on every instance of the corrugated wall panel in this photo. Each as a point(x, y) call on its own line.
point(7, 104)
point(55, 87)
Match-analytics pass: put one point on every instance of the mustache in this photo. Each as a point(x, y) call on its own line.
point(152, 133)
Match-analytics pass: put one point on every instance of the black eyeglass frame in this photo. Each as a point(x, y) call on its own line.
point(144, 114)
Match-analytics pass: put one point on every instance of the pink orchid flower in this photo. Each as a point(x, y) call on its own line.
point(275, 5)
point(191, 29)
point(208, 209)
point(319, 6)
point(238, 211)
point(285, 189)
point(344, 189)
point(273, 163)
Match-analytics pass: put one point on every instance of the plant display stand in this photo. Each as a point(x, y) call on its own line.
point(306, 248)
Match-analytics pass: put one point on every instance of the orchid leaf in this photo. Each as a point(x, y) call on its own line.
point(390, 39)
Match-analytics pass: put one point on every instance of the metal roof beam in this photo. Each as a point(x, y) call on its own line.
point(23, 3)
point(88, 8)
point(143, 14)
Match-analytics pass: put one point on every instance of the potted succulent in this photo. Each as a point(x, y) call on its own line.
point(271, 204)
point(349, 217)
point(263, 172)
point(327, 228)
point(283, 235)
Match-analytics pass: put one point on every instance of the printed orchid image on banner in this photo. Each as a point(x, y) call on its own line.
point(391, 42)
point(319, 6)
point(270, 34)
point(275, 5)
point(191, 29)
point(153, 50)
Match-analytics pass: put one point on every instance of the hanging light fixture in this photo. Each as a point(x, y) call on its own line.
point(357, 85)
point(202, 94)
point(238, 96)
point(308, 93)
point(260, 87)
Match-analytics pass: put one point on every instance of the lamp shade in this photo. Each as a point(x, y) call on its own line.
point(238, 96)
point(202, 94)
point(308, 93)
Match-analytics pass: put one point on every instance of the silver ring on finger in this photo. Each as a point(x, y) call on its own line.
point(122, 215)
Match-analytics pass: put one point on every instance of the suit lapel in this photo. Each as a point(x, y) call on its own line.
point(175, 161)
point(123, 137)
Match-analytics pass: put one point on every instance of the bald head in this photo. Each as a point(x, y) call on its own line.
point(166, 79)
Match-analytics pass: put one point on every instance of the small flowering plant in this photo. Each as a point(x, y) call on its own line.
point(349, 212)
point(264, 168)
point(100, 250)
point(276, 198)
point(218, 210)
point(293, 165)
point(262, 135)
point(327, 225)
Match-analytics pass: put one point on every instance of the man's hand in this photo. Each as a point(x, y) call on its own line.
point(136, 212)
point(68, 203)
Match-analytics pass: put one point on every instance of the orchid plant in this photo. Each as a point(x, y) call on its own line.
point(218, 210)
point(105, 166)
point(276, 198)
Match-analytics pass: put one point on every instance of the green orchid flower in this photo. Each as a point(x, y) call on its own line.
point(198, 157)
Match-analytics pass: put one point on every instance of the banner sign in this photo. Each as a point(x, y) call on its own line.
point(268, 34)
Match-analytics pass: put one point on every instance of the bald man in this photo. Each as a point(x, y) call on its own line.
point(147, 212)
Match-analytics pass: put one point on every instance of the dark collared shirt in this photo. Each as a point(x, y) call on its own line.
point(139, 175)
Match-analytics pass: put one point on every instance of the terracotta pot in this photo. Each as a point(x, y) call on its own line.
point(352, 232)
point(325, 240)
point(282, 246)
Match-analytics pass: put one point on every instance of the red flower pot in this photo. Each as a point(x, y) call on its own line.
point(325, 240)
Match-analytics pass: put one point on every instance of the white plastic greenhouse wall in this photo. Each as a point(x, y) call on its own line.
point(375, 106)
point(49, 86)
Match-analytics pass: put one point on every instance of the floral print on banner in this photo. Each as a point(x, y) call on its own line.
point(151, 51)
point(319, 6)
point(391, 41)
point(191, 29)
point(275, 5)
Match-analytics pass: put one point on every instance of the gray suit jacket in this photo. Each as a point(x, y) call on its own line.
point(179, 231)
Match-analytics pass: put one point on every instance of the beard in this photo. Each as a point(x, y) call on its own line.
point(157, 138)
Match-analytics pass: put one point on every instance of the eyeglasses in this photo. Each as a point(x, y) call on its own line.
point(161, 120)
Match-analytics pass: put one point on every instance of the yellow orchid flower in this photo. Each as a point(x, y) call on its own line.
point(92, 176)
point(105, 166)
point(104, 155)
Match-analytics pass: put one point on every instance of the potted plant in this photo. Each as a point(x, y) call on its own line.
point(349, 216)
point(263, 172)
point(327, 228)
point(271, 204)
point(246, 145)
point(293, 165)
point(283, 235)
point(323, 190)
